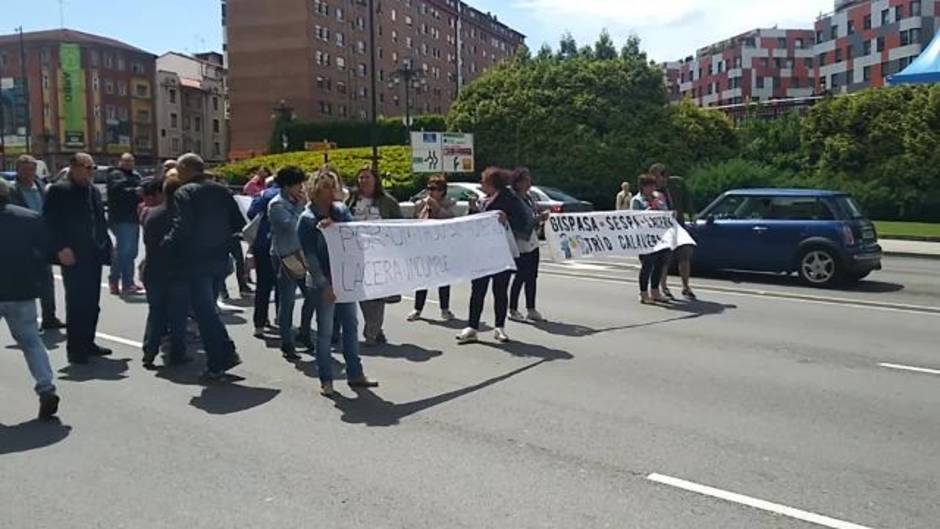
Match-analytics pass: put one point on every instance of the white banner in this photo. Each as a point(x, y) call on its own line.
point(374, 260)
point(244, 202)
point(602, 233)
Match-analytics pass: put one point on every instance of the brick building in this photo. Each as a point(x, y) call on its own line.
point(759, 65)
point(315, 56)
point(85, 93)
point(192, 106)
point(865, 41)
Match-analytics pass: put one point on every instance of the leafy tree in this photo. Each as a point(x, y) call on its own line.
point(584, 123)
point(604, 48)
point(568, 47)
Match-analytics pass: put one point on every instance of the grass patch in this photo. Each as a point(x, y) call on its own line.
point(908, 230)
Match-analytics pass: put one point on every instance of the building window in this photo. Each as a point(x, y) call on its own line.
point(142, 90)
point(866, 48)
point(838, 55)
point(866, 74)
point(898, 13)
point(108, 86)
point(172, 96)
point(122, 88)
point(851, 27)
point(915, 8)
point(187, 123)
point(217, 149)
point(174, 121)
point(121, 64)
point(362, 70)
point(94, 57)
point(137, 68)
point(798, 44)
point(758, 84)
point(340, 39)
point(143, 115)
point(834, 32)
point(197, 124)
point(340, 16)
point(216, 126)
point(175, 145)
point(808, 63)
point(782, 42)
point(881, 44)
point(215, 104)
point(320, 7)
point(885, 18)
point(867, 21)
point(341, 63)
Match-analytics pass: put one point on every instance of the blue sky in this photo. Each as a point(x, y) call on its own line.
point(669, 29)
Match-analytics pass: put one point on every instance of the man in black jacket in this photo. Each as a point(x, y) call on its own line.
point(123, 198)
point(28, 193)
point(24, 254)
point(205, 218)
point(79, 237)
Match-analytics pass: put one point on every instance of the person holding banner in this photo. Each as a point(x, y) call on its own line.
point(371, 202)
point(436, 205)
point(652, 264)
point(283, 213)
point(321, 212)
point(527, 264)
point(520, 223)
point(678, 199)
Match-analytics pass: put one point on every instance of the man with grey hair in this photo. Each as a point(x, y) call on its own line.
point(78, 232)
point(24, 255)
point(205, 218)
point(28, 193)
point(123, 199)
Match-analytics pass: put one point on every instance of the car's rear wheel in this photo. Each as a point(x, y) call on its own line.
point(818, 267)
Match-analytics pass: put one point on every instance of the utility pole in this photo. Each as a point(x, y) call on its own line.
point(374, 113)
point(29, 116)
point(407, 74)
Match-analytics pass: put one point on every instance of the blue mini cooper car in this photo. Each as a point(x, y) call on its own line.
point(821, 235)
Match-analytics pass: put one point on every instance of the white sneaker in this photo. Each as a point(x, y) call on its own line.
point(501, 335)
point(468, 335)
point(535, 315)
point(515, 315)
point(447, 315)
point(415, 315)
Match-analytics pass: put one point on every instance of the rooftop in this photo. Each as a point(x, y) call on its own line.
point(68, 35)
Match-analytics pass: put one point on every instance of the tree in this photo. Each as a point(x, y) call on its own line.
point(567, 47)
point(604, 48)
point(545, 53)
point(583, 123)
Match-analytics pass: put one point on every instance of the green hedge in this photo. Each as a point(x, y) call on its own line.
point(394, 163)
point(391, 131)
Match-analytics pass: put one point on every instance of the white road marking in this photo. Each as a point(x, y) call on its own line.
point(901, 367)
point(763, 505)
point(765, 294)
point(574, 265)
point(118, 339)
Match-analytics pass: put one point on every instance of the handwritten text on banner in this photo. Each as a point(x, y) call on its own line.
point(373, 260)
point(630, 233)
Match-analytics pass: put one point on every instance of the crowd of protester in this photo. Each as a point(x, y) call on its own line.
point(193, 230)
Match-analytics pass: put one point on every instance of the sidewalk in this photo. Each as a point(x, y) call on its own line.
point(896, 247)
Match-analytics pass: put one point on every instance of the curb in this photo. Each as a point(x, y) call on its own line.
point(914, 255)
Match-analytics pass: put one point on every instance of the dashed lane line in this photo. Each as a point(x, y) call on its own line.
point(755, 503)
point(913, 369)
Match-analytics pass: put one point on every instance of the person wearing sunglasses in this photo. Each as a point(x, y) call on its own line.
point(436, 205)
point(74, 215)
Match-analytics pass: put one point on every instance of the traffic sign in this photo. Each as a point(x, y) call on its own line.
point(437, 152)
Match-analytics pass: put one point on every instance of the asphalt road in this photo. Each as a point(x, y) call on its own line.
point(762, 406)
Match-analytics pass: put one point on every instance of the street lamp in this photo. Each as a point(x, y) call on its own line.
point(412, 78)
point(282, 114)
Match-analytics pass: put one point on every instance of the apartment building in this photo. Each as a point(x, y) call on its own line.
point(863, 42)
point(759, 65)
point(315, 56)
point(192, 106)
point(84, 93)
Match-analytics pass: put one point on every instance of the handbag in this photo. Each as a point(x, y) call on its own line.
point(250, 231)
point(295, 265)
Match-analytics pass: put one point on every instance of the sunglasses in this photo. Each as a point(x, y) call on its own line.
point(433, 188)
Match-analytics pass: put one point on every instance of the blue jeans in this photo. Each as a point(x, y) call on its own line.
point(164, 315)
point(346, 316)
point(127, 236)
point(21, 319)
point(199, 293)
point(287, 296)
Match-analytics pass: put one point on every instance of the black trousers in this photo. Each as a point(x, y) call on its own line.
point(527, 273)
point(239, 256)
point(421, 297)
point(651, 269)
point(47, 299)
point(82, 306)
point(500, 298)
point(267, 282)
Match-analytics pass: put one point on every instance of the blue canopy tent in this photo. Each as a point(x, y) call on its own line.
point(924, 69)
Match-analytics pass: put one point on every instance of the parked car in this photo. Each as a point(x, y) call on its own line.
point(460, 192)
point(557, 201)
point(101, 182)
point(9, 176)
point(821, 235)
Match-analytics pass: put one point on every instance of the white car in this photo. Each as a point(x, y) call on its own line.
point(460, 192)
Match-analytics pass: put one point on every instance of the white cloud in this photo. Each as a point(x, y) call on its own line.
point(670, 29)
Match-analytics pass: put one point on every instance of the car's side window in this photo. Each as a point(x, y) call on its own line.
point(742, 208)
point(801, 208)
